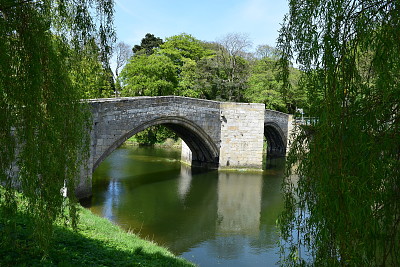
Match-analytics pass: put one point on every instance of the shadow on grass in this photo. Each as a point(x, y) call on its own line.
point(71, 248)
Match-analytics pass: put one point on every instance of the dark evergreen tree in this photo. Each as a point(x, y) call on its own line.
point(147, 45)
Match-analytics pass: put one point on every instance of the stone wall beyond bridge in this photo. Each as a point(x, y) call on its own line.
point(221, 135)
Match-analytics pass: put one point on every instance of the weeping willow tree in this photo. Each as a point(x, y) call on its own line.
point(344, 208)
point(43, 124)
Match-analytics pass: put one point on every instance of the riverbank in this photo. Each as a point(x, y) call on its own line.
point(97, 243)
point(168, 143)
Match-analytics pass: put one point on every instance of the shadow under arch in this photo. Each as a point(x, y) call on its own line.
point(276, 141)
point(204, 150)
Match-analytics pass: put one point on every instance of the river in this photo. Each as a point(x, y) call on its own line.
point(208, 217)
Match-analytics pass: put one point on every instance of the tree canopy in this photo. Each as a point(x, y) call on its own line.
point(223, 70)
point(44, 124)
point(152, 75)
point(264, 87)
point(147, 45)
point(345, 205)
point(168, 70)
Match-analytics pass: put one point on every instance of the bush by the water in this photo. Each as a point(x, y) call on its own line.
point(154, 135)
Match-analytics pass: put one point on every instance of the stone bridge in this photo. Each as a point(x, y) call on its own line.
point(221, 135)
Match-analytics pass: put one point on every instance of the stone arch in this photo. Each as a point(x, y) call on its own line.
point(276, 141)
point(200, 143)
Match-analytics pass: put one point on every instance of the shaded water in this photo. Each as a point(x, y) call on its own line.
point(210, 218)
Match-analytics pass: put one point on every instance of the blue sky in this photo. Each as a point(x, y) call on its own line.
point(207, 20)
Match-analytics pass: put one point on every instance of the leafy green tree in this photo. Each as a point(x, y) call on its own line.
point(147, 45)
point(345, 207)
point(153, 75)
point(155, 135)
point(296, 94)
point(263, 85)
point(44, 125)
point(186, 51)
point(88, 74)
point(171, 70)
point(188, 82)
point(179, 47)
point(201, 79)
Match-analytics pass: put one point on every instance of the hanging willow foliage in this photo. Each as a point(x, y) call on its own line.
point(43, 124)
point(344, 210)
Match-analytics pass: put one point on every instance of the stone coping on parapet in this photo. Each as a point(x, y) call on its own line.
point(123, 99)
point(278, 112)
point(126, 99)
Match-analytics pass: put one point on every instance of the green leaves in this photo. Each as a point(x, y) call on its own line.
point(152, 75)
point(264, 86)
point(183, 65)
point(179, 47)
point(44, 125)
point(168, 70)
point(349, 168)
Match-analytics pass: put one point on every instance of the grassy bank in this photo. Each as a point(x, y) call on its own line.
point(97, 243)
point(168, 143)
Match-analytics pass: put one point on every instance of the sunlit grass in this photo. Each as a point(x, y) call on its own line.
point(97, 242)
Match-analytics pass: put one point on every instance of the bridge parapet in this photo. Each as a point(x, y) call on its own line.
point(115, 120)
point(220, 135)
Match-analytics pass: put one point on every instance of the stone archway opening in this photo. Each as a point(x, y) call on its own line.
point(204, 152)
point(276, 146)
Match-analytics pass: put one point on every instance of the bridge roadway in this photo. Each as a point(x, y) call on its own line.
point(221, 135)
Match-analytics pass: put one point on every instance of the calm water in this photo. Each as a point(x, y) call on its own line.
point(210, 218)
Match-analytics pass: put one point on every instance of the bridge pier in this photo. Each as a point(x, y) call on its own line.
point(241, 137)
point(242, 127)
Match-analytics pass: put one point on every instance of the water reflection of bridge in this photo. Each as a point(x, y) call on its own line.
point(239, 203)
point(246, 209)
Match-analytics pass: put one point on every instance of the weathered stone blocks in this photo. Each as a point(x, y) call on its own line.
point(242, 129)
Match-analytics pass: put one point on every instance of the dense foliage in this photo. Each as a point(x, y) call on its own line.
point(223, 71)
point(45, 52)
point(345, 206)
point(147, 45)
point(93, 78)
point(152, 75)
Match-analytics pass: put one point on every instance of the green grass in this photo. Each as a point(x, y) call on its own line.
point(97, 243)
